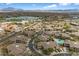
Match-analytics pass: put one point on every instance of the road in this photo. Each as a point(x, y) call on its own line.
point(6, 37)
point(31, 47)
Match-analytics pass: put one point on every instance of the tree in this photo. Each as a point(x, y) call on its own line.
point(4, 51)
point(47, 51)
point(55, 18)
point(66, 26)
point(50, 38)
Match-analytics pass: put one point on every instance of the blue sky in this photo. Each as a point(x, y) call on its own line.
point(41, 6)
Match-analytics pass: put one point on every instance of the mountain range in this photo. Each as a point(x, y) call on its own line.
point(11, 9)
point(16, 9)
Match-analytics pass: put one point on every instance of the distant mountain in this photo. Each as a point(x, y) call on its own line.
point(8, 9)
point(11, 9)
point(16, 9)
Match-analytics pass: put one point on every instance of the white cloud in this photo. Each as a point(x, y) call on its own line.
point(50, 6)
point(64, 4)
point(54, 5)
point(8, 3)
point(39, 1)
point(33, 4)
point(76, 3)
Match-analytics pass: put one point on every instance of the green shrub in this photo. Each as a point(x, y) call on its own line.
point(66, 26)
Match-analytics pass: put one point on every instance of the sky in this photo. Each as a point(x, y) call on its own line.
point(41, 6)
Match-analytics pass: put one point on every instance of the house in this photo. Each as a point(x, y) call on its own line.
point(72, 29)
point(75, 46)
point(2, 32)
point(48, 32)
point(19, 38)
point(9, 26)
point(43, 37)
point(59, 28)
point(72, 45)
point(74, 23)
point(24, 22)
point(57, 34)
point(29, 33)
point(65, 36)
point(16, 48)
point(67, 43)
point(17, 29)
point(75, 34)
point(16, 44)
point(46, 45)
